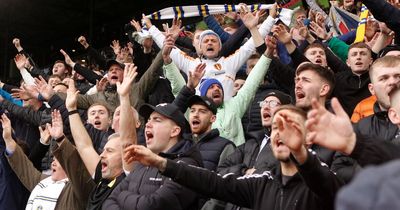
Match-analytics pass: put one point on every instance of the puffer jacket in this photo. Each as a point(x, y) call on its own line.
point(147, 188)
point(377, 126)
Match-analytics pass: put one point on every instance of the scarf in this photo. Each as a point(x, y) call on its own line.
point(362, 24)
point(285, 15)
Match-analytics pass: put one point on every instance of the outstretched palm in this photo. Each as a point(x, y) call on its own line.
point(333, 131)
point(130, 74)
point(56, 127)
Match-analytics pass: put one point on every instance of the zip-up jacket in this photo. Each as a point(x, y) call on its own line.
point(146, 188)
point(313, 187)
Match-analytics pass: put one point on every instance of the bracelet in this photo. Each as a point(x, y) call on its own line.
point(73, 112)
point(59, 139)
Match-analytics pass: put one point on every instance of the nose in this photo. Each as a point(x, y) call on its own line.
point(297, 85)
point(195, 114)
point(103, 155)
point(148, 124)
point(394, 81)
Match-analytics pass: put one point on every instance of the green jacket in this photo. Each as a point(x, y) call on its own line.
point(229, 114)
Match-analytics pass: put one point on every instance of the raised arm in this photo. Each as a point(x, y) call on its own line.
point(128, 119)
point(335, 132)
point(20, 62)
point(189, 90)
point(171, 71)
point(19, 162)
point(85, 72)
point(82, 139)
point(66, 154)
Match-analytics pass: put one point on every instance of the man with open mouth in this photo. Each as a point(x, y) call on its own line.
point(300, 181)
point(145, 187)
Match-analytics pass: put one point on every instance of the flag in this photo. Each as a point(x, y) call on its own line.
point(343, 21)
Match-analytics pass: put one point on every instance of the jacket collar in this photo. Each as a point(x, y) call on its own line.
point(208, 135)
point(378, 112)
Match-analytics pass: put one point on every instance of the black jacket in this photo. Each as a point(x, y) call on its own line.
point(146, 188)
point(245, 156)
point(313, 187)
point(211, 146)
point(377, 126)
point(350, 89)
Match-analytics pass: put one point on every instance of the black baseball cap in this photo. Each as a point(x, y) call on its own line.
point(203, 100)
point(283, 97)
point(171, 111)
point(387, 49)
point(112, 62)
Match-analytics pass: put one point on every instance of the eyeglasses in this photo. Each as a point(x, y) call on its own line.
point(270, 104)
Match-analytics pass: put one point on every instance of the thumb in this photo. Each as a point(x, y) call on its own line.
point(48, 126)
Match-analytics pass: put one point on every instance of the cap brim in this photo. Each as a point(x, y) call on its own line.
point(146, 110)
point(199, 100)
point(196, 100)
point(113, 62)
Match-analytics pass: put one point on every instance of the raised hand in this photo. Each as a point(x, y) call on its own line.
point(371, 28)
point(303, 30)
point(319, 31)
point(44, 135)
point(384, 29)
point(196, 75)
point(272, 11)
point(169, 44)
point(17, 44)
point(280, 33)
point(146, 21)
point(129, 45)
point(82, 40)
point(20, 61)
point(68, 59)
point(44, 89)
point(320, 19)
point(175, 28)
point(72, 96)
point(373, 40)
point(102, 84)
point(130, 74)
point(332, 131)
point(7, 129)
point(25, 92)
point(116, 47)
point(250, 20)
point(56, 127)
point(136, 25)
point(271, 43)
